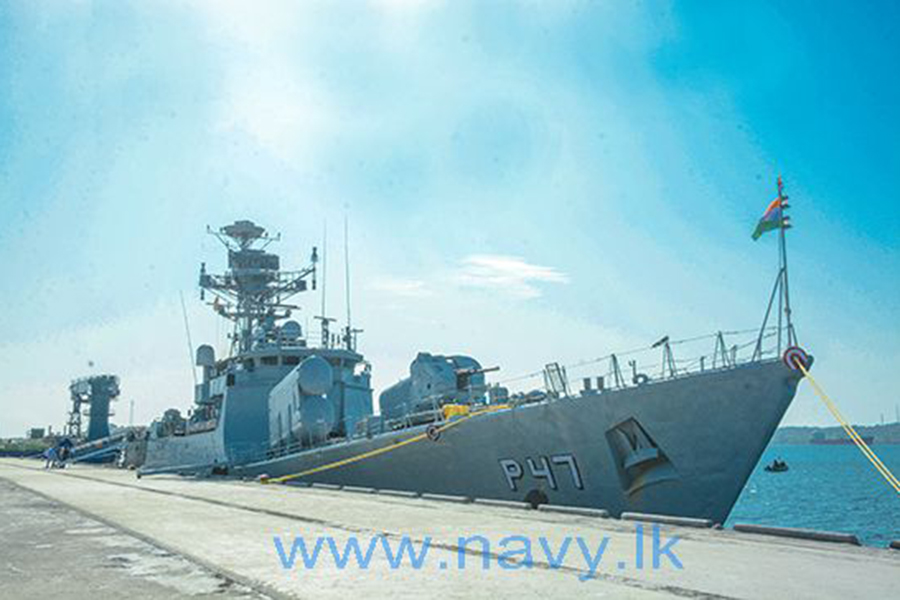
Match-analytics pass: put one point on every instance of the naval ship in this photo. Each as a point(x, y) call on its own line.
point(283, 407)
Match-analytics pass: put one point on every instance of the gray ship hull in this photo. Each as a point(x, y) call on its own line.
point(188, 453)
point(682, 446)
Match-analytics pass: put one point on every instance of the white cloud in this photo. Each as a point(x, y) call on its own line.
point(407, 288)
point(268, 95)
point(254, 27)
point(282, 114)
point(510, 274)
point(405, 5)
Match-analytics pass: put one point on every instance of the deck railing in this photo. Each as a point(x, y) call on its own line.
point(663, 360)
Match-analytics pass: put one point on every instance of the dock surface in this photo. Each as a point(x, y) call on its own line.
point(199, 537)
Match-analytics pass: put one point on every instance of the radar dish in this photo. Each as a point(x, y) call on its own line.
point(291, 330)
point(244, 230)
point(206, 356)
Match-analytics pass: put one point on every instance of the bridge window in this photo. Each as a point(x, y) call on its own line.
point(269, 360)
point(290, 360)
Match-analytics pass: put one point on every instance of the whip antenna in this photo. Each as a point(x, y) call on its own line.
point(349, 332)
point(187, 331)
point(324, 264)
point(325, 335)
point(347, 281)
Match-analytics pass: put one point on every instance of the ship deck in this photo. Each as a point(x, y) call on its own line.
point(224, 531)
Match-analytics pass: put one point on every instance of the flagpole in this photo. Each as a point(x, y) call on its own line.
point(782, 201)
point(781, 281)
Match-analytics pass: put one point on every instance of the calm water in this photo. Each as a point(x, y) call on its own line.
point(833, 488)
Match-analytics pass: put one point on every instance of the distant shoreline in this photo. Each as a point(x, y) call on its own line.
point(889, 433)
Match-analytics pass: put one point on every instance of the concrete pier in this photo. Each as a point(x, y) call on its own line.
point(225, 531)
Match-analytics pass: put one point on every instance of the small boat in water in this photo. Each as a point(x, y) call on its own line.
point(777, 466)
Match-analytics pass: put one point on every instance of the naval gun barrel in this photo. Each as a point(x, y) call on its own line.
point(476, 371)
point(464, 378)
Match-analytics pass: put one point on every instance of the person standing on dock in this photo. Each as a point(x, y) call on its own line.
point(52, 456)
point(65, 451)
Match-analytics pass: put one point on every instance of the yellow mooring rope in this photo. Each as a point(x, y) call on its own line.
point(384, 449)
point(860, 443)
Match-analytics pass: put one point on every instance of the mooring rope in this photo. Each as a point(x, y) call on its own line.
point(860, 443)
point(385, 449)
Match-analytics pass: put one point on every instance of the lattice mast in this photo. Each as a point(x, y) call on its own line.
point(253, 292)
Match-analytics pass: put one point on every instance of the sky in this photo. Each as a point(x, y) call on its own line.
point(523, 182)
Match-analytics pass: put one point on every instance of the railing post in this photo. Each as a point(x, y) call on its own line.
point(668, 361)
point(720, 347)
point(616, 371)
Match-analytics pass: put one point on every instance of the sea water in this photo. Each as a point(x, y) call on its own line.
point(833, 488)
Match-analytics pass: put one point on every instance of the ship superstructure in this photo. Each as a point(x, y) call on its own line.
point(324, 387)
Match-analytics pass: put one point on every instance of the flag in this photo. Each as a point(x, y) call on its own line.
point(771, 219)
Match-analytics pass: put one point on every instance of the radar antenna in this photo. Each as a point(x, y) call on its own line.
point(254, 291)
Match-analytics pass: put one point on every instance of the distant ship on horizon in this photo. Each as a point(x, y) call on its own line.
point(822, 441)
